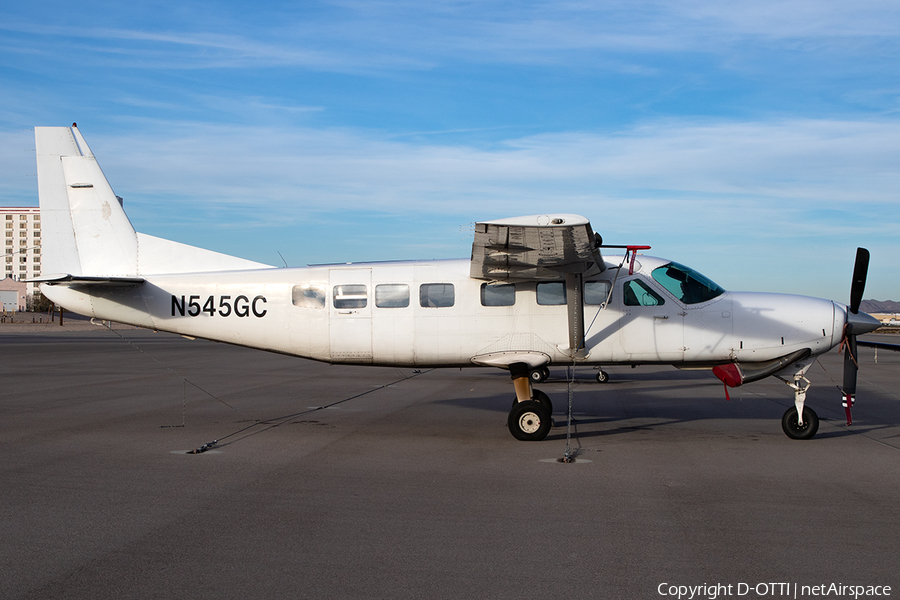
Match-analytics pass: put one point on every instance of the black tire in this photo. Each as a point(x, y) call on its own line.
point(538, 375)
point(539, 396)
point(529, 421)
point(807, 430)
point(546, 372)
point(602, 376)
point(543, 399)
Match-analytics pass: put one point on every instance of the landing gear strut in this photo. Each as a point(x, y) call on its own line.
point(800, 422)
point(538, 396)
point(530, 418)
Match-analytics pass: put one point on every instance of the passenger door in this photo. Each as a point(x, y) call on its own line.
point(350, 312)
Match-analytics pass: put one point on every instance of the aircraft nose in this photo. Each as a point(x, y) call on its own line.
point(862, 322)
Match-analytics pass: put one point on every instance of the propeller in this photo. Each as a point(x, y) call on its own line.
point(856, 324)
point(860, 269)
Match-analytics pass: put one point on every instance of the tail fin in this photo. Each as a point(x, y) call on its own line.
point(85, 229)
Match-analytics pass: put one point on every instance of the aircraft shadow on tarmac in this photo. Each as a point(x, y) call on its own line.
point(667, 401)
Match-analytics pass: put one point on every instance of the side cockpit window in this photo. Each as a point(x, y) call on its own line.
point(686, 284)
point(638, 293)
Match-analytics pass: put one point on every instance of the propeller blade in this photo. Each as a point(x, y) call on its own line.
point(860, 269)
point(850, 367)
point(856, 324)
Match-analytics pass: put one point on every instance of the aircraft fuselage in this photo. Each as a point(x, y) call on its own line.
point(431, 313)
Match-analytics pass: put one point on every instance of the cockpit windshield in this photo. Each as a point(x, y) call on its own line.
point(686, 284)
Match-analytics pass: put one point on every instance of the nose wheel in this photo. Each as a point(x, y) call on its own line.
point(796, 430)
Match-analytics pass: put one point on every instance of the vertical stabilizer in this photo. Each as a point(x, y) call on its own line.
point(84, 229)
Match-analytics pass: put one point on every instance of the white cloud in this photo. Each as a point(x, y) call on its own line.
point(627, 151)
point(782, 192)
point(808, 163)
point(791, 190)
point(400, 35)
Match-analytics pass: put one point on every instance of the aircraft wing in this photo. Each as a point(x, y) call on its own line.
point(65, 279)
point(535, 248)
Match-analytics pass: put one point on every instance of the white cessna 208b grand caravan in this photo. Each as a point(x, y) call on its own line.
point(536, 292)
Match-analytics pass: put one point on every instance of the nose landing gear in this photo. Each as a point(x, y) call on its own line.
point(796, 429)
point(800, 422)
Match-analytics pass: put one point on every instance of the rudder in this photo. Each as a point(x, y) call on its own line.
point(84, 229)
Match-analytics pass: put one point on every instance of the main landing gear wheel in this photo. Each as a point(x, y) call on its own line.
point(789, 423)
point(540, 397)
point(602, 376)
point(529, 421)
point(539, 375)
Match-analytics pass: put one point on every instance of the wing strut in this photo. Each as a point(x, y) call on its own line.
point(575, 307)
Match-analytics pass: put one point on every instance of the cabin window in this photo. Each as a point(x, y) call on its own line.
point(392, 295)
point(498, 294)
point(638, 293)
point(596, 292)
point(686, 284)
point(551, 293)
point(436, 295)
point(350, 295)
point(308, 295)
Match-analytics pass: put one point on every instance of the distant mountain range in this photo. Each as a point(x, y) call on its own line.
point(879, 306)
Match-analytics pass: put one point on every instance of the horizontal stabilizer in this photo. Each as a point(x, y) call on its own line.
point(86, 232)
point(65, 279)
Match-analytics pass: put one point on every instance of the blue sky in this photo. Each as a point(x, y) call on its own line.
point(759, 144)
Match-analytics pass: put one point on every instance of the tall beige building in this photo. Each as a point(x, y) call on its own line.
point(22, 236)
